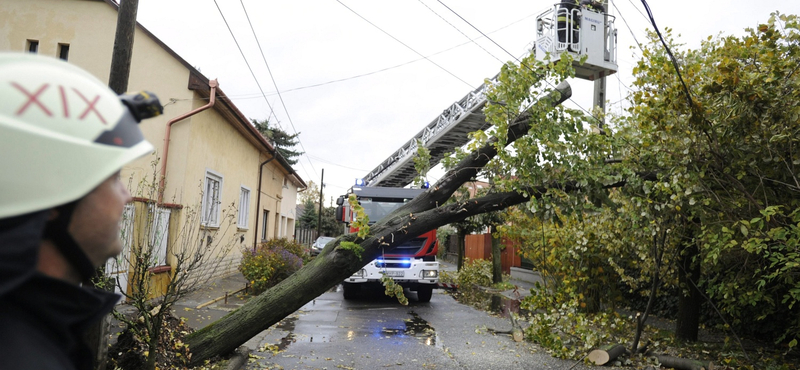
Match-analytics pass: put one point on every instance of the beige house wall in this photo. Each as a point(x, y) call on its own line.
point(209, 140)
point(289, 214)
point(88, 28)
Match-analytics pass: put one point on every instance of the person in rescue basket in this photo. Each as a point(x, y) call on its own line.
point(64, 136)
point(567, 24)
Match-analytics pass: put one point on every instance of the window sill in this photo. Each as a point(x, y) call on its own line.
point(160, 269)
point(209, 227)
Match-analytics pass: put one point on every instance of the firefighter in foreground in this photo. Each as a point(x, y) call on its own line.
point(64, 136)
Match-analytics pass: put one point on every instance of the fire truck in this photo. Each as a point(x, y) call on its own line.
point(412, 264)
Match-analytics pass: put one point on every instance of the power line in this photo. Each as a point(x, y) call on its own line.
point(404, 44)
point(669, 53)
point(351, 77)
point(476, 29)
point(628, 26)
point(280, 97)
point(637, 9)
point(459, 31)
point(257, 95)
point(271, 111)
point(335, 164)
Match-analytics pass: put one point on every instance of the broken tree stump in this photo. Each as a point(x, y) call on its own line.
point(606, 354)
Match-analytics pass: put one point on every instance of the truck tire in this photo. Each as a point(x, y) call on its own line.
point(350, 290)
point(424, 293)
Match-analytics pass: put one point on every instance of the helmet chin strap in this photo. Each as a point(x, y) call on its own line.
point(56, 231)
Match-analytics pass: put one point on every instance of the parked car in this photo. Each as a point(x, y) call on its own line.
point(319, 244)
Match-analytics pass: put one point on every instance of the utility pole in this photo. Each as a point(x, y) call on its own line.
point(123, 46)
point(96, 335)
point(319, 215)
point(600, 83)
point(600, 96)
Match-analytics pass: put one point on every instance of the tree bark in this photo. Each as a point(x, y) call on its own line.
point(460, 235)
point(334, 264)
point(658, 251)
point(497, 262)
point(683, 363)
point(688, 321)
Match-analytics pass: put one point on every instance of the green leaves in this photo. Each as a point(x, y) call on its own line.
point(726, 165)
point(422, 163)
point(393, 289)
point(362, 219)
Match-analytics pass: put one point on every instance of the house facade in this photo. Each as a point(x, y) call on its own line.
point(212, 180)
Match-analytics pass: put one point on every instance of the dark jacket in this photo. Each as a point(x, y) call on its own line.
point(42, 324)
point(42, 319)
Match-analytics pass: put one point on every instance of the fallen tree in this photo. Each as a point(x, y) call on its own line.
point(334, 264)
point(682, 363)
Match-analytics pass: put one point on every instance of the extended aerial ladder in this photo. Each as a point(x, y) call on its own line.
point(585, 31)
point(580, 30)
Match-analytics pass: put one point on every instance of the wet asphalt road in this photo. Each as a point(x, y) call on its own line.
point(376, 332)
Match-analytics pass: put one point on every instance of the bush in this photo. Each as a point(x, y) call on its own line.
point(475, 272)
point(272, 262)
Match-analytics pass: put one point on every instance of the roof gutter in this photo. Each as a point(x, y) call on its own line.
point(212, 99)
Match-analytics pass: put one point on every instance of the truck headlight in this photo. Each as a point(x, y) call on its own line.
point(430, 274)
point(360, 274)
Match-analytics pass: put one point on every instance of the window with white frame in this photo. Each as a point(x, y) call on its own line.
point(159, 234)
point(211, 199)
point(244, 207)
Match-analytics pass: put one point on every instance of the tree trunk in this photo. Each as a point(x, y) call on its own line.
point(152, 343)
point(497, 261)
point(689, 299)
point(683, 363)
point(426, 212)
point(460, 235)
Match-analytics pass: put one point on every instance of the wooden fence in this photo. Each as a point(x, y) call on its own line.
point(479, 246)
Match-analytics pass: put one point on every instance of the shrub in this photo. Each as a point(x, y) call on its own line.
point(272, 262)
point(475, 272)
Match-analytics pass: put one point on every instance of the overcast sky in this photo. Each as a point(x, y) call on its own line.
point(351, 74)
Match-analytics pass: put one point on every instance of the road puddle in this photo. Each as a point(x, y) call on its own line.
point(287, 325)
point(415, 327)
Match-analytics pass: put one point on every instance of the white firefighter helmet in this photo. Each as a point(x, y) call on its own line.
point(62, 132)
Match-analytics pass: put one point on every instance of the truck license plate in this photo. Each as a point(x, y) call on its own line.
point(396, 273)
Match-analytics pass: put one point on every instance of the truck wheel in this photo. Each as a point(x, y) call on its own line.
point(350, 290)
point(424, 293)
